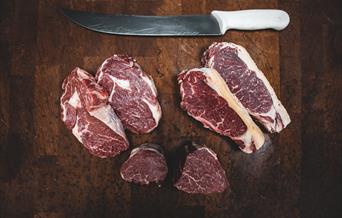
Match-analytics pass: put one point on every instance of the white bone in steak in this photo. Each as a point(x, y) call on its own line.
point(132, 93)
point(146, 164)
point(85, 110)
point(206, 97)
point(200, 171)
point(248, 84)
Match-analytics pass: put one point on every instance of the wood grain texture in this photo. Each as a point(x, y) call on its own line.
point(321, 110)
point(45, 172)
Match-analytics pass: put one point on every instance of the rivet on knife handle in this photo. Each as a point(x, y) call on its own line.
point(251, 19)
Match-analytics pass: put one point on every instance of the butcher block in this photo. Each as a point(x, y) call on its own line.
point(46, 172)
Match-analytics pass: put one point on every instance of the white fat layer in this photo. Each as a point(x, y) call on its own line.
point(277, 107)
point(74, 100)
point(100, 72)
point(63, 112)
point(122, 176)
point(136, 150)
point(82, 74)
point(107, 115)
point(104, 63)
point(63, 107)
point(155, 110)
point(125, 84)
point(209, 150)
point(253, 135)
point(76, 132)
point(150, 83)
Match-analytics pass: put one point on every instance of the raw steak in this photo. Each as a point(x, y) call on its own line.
point(146, 164)
point(248, 84)
point(200, 171)
point(85, 110)
point(133, 94)
point(206, 98)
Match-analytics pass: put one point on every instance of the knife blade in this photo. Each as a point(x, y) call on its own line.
point(217, 23)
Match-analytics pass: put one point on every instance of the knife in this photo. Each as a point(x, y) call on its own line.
point(217, 23)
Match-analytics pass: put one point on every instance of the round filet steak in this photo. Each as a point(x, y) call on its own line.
point(247, 83)
point(146, 164)
point(201, 172)
point(133, 94)
point(206, 97)
point(85, 110)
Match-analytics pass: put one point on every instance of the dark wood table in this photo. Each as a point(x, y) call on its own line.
point(45, 172)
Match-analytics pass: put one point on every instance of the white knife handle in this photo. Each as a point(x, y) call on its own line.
point(251, 19)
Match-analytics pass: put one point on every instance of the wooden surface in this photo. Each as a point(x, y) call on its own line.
point(45, 172)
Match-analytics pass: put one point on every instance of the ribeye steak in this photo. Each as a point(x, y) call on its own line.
point(133, 94)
